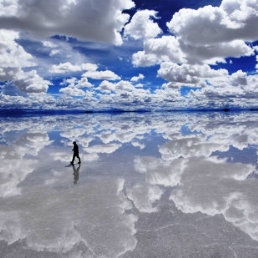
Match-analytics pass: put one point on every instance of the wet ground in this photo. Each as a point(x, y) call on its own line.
point(150, 185)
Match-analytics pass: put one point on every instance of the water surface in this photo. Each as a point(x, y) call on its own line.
point(150, 185)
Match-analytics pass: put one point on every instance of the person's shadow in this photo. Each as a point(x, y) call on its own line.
point(76, 173)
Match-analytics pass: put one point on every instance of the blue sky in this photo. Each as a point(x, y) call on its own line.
point(75, 54)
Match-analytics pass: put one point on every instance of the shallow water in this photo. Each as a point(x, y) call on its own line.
point(150, 185)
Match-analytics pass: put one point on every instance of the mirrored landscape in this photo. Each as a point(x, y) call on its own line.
point(181, 184)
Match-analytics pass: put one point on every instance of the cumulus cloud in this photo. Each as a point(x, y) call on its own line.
point(215, 88)
point(106, 86)
point(222, 31)
point(72, 91)
point(67, 67)
point(92, 21)
point(79, 83)
point(158, 50)
point(189, 74)
point(28, 82)
point(142, 26)
point(183, 57)
point(137, 78)
point(239, 78)
point(124, 95)
point(142, 59)
point(216, 53)
point(12, 55)
point(236, 90)
point(102, 75)
point(233, 20)
point(30, 101)
point(31, 82)
point(74, 87)
point(13, 59)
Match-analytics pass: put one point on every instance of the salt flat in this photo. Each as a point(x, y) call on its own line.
point(150, 185)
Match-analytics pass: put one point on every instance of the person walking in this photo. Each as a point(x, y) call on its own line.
point(75, 152)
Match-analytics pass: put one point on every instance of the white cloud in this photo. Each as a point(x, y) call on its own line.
point(239, 78)
point(142, 59)
point(73, 82)
point(233, 20)
point(185, 74)
point(236, 90)
point(158, 50)
point(124, 86)
point(142, 26)
point(72, 91)
point(31, 82)
point(137, 78)
point(101, 20)
point(106, 86)
point(67, 67)
point(215, 53)
point(13, 59)
point(12, 55)
point(124, 95)
point(28, 82)
point(102, 75)
point(222, 30)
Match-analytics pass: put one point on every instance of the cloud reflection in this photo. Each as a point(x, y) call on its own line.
point(130, 163)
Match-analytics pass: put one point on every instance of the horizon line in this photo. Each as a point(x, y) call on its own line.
point(21, 112)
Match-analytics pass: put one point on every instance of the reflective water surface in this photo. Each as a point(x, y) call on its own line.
point(150, 185)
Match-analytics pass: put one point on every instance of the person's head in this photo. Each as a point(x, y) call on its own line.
point(74, 142)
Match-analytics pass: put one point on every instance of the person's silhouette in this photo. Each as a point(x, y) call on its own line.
point(75, 152)
point(76, 173)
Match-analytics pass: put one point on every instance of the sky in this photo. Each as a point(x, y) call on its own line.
point(130, 55)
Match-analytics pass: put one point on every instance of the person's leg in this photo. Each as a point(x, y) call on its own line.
point(79, 159)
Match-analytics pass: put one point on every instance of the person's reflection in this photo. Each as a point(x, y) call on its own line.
point(76, 173)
